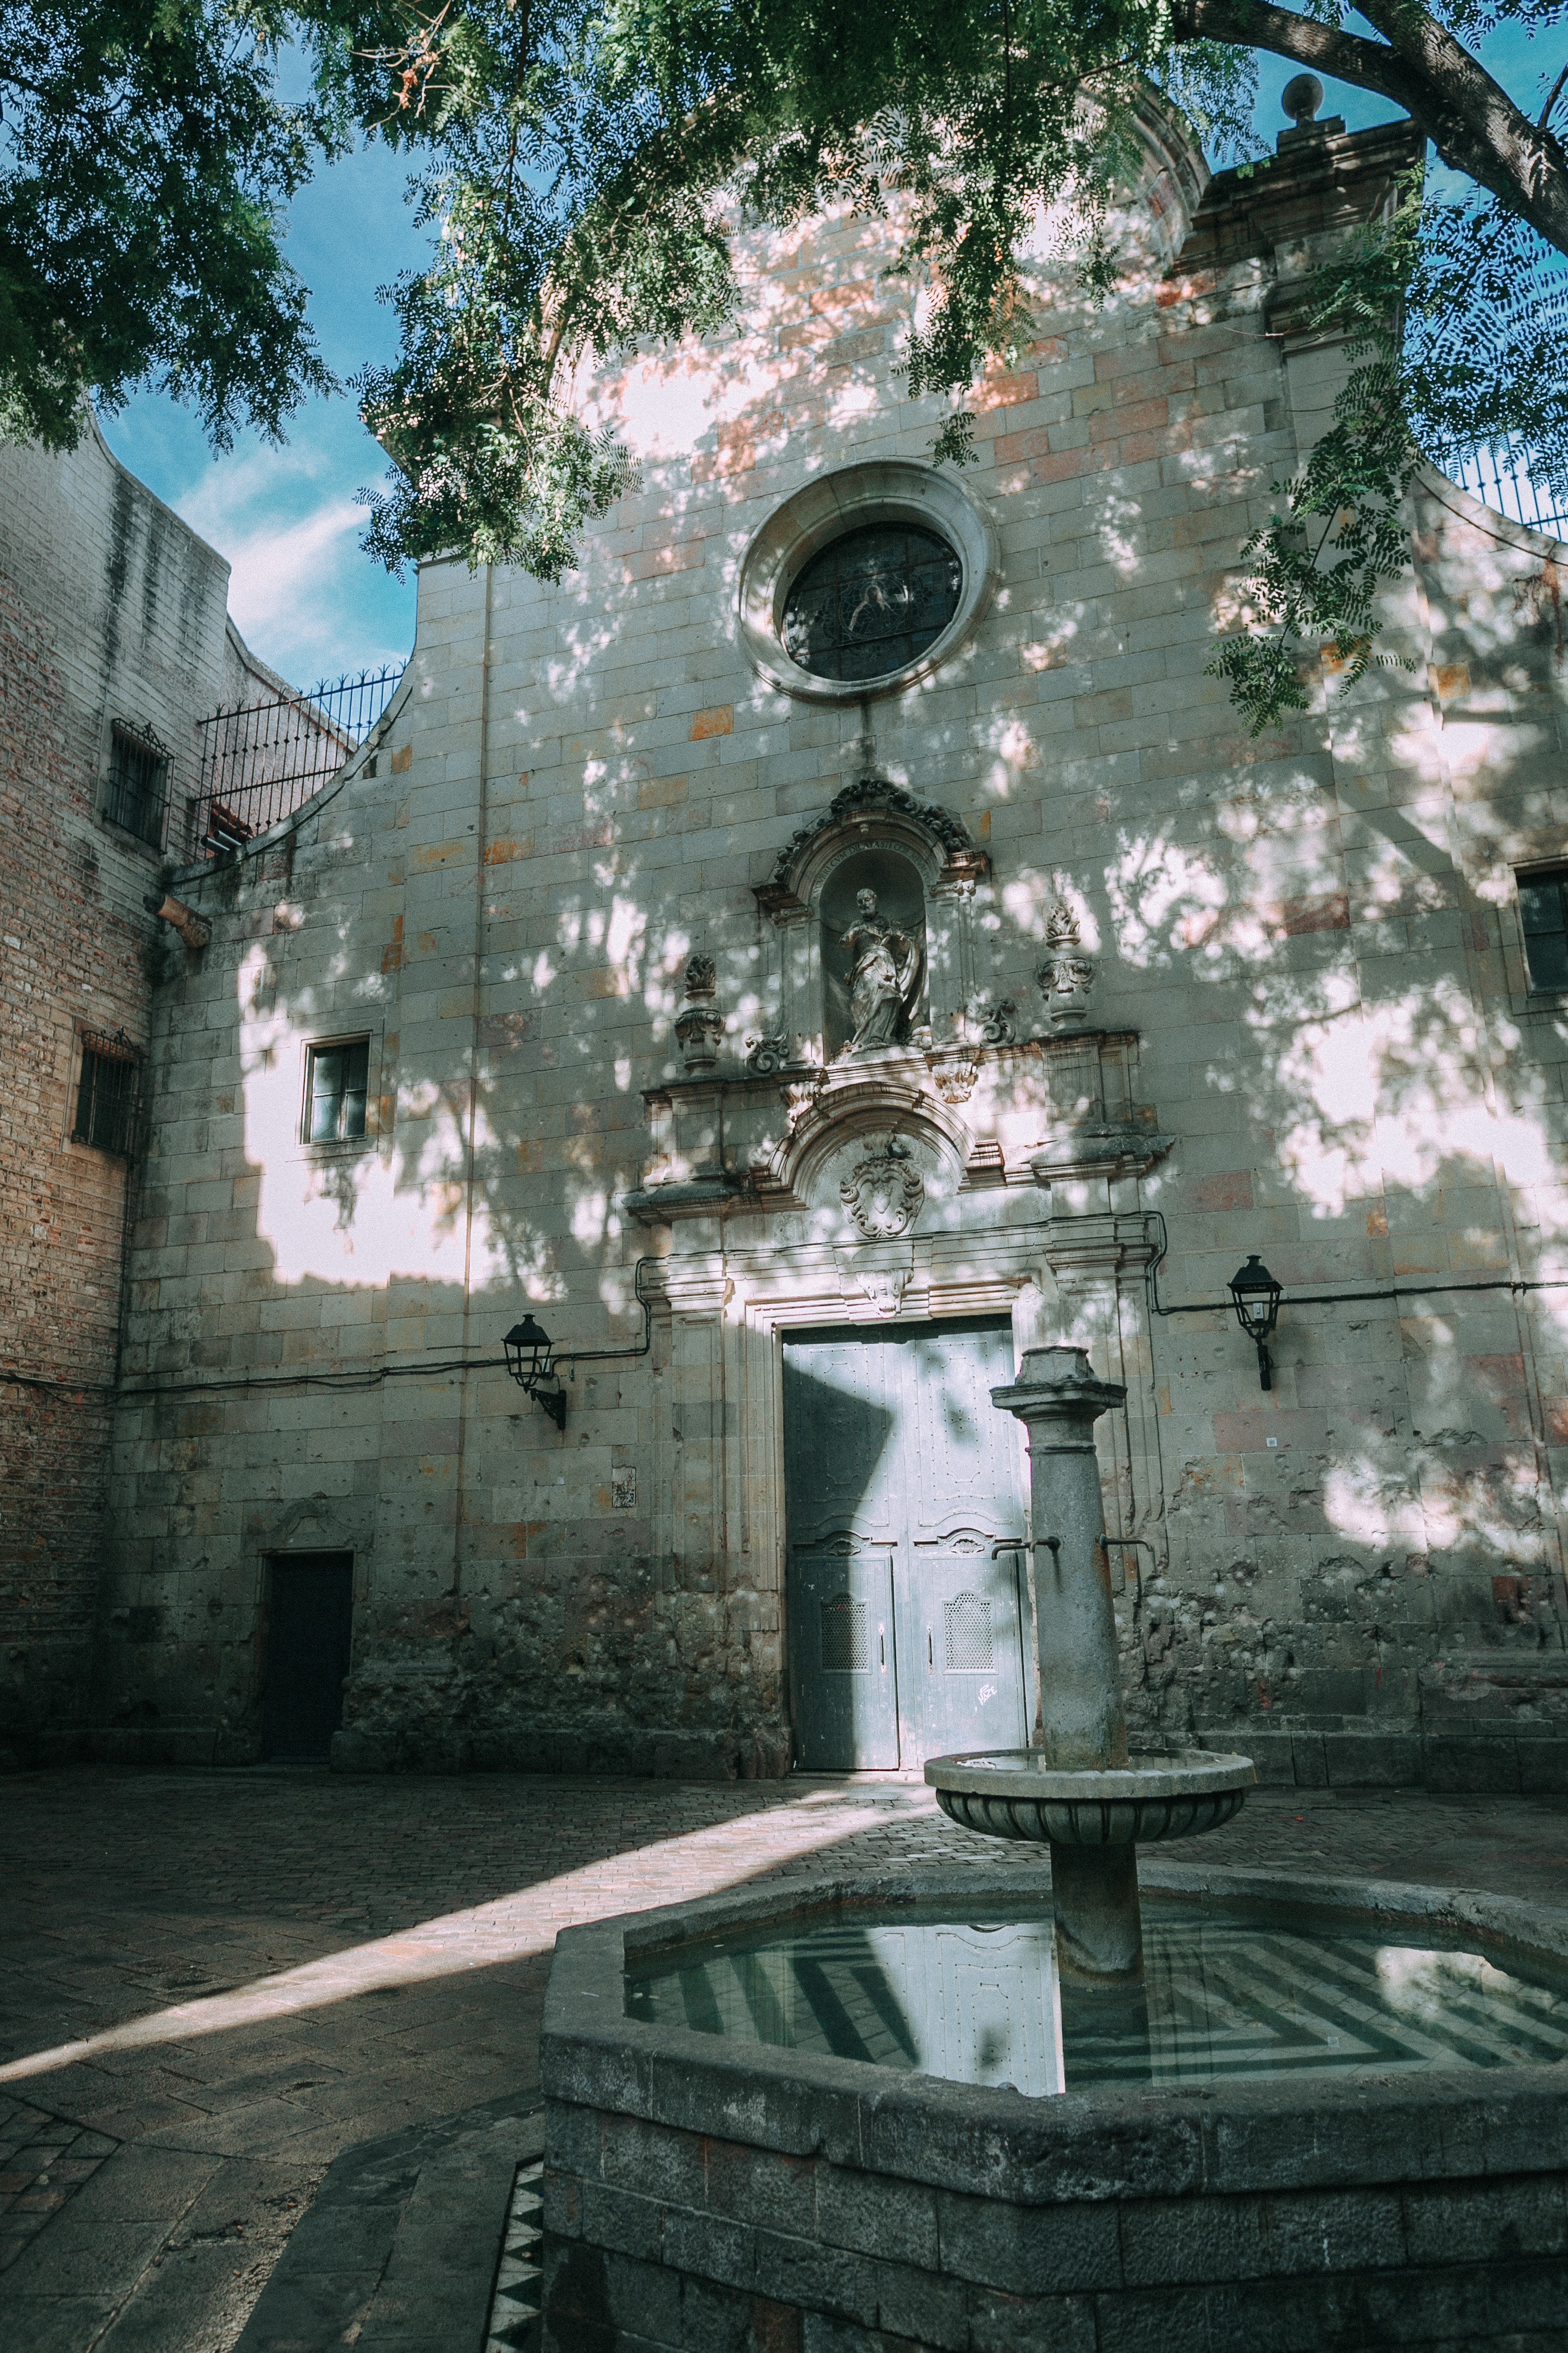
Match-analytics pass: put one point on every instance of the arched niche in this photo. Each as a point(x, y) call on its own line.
point(920, 862)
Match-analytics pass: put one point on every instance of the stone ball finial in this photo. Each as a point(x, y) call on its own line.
point(1302, 98)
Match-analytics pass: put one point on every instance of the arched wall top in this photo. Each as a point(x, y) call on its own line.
point(869, 813)
point(1171, 187)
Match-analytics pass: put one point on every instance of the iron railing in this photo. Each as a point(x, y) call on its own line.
point(1501, 476)
point(261, 760)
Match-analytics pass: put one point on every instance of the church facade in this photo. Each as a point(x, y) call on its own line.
point(840, 934)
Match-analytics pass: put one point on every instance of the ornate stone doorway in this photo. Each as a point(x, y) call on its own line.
point(908, 1601)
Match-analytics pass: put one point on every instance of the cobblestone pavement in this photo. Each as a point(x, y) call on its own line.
point(221, 1980)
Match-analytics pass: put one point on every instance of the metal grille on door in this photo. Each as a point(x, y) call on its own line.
point(844, 1651)
point(967, 1624)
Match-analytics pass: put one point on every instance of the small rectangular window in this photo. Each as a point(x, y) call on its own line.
point(138, 782)
point(1543, 904)
point(335, 1086)
point(106, 1096)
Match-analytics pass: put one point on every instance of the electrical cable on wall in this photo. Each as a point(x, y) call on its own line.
point(1514, 1283)
point(433, 1368)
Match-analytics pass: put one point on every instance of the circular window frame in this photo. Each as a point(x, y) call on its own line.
point(851, 499)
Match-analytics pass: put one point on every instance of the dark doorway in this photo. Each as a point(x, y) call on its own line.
point(904, 1503)
point(308, 1624)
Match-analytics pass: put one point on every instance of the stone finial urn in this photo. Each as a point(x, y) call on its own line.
point(1067, 976)
point(699, 1024)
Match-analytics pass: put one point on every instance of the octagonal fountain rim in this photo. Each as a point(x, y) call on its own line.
point(1355, 2128)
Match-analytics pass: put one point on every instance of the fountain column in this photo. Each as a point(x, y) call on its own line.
point(1058, 1398)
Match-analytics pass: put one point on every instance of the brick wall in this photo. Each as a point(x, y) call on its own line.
point(108, 608)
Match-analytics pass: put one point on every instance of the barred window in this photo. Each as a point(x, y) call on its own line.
point(335, 1084)
point(106, 1096)
point(138, 782)
point(1543, 903)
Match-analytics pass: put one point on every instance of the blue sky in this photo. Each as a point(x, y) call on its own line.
point(302, 593)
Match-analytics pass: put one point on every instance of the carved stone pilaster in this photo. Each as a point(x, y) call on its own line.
point(1100, 1264)
point(1094, 1129)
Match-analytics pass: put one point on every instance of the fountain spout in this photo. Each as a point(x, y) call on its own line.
point(1058, 1398)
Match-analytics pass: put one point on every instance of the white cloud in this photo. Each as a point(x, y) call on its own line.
point(302, 593)
point(278, 572)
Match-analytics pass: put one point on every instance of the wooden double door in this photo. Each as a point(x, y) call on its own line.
point(908, 1603)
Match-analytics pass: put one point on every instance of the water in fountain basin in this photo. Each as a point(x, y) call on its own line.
point(1225, 2000)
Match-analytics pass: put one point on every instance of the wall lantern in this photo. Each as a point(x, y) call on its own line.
point(1257, 1296)
point(528, 1361)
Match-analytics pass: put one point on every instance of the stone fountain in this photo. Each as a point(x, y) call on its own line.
point(918, 2110)
point(1083, 1791)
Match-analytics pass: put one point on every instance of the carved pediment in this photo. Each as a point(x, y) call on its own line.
point(867, 1143)
point(873, 809)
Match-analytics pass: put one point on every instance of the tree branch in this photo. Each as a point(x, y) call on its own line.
point(1472, 122)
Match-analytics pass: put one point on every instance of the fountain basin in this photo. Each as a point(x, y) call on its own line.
point(1161, 1794)
point(703, 2191)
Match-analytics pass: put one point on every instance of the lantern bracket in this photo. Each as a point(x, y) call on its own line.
point(1256, 1296)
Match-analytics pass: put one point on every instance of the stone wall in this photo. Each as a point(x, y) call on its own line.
point(1310, 1033)
point(109, 608)
point(665, 2241)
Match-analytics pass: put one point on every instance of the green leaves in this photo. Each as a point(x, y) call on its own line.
point(489, 463)
point(1318, 565)
point(586, 170)
point(567, 219)
point(143, 166)
point(585, 161)
point(1459, 316)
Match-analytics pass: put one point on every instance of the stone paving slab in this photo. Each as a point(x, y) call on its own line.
point(240, 1976)
point(44, 2161)
point(400, 2243)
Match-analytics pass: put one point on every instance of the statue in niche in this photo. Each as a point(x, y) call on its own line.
point(884, 977)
